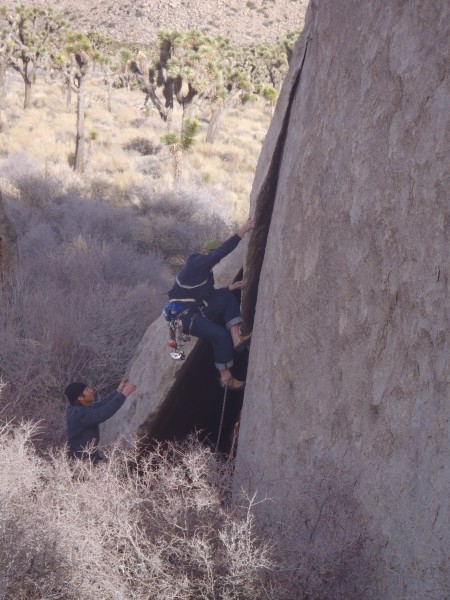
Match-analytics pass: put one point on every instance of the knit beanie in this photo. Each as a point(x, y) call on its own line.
point(211, 245)
point(73, 390)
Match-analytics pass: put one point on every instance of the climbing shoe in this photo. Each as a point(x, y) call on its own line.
point(244, 341)
point(233, 384)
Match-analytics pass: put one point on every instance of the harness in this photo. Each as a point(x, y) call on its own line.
point(173, 313)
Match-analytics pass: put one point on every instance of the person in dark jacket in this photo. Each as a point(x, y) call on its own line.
point(200, 304)
point(83, 417)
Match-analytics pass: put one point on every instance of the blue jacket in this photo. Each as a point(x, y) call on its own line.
point(195, 281)
point(83, 424)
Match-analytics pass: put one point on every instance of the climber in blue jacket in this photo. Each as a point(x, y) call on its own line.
point(198, 304)
point(83, 417)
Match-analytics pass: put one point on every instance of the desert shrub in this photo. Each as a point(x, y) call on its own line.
point(142, 146)
point(151, 167)
point(64, 135)
point(162, 524)
point(114, 531)
point(93, 275)
point(35, 187)
point(177, 223)
point(138, 123)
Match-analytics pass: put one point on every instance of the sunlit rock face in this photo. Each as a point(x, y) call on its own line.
point(349, 375)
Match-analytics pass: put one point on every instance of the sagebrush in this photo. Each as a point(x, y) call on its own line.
point(93, 275)
point(159, 528)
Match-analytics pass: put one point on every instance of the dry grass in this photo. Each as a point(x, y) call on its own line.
point(224, 171)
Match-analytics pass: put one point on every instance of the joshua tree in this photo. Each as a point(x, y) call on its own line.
point(289, 41)
point(270, 95)
point(149, 81)
point(101, 46)
point(6, 48)
point(5, 53)
point(236, 67)
point(179, 144)
point(32, 33)
point(183, 70)
point(8, 243)
point(73, 63)
point(246, 73)
point(194, 69)
point(121, 68)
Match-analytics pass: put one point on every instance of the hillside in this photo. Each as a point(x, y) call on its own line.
point(243, 21)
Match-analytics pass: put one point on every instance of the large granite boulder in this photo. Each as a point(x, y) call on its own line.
point(346, 419)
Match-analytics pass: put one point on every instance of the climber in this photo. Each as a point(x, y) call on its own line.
point(83, 417)
point(197, 303)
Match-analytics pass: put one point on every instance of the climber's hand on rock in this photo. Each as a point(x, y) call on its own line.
point(246, 227)
point(122, 385)
point(237, 285)
point(128, 388)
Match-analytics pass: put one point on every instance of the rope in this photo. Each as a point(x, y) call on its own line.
point(221, 418)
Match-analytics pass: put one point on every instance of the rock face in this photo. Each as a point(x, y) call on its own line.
point(154, 373)
point(348, 384)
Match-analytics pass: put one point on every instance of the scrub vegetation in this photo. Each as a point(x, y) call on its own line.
point(158, 529)
point(161, 527)
point(98, 250)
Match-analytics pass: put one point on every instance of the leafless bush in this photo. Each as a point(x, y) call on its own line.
point(160, 526)
point(92, 277)
point(138, 123)
point(157, 528)
point(142, 146)
point(177, 222)
point(35, 188)
point(79, 305)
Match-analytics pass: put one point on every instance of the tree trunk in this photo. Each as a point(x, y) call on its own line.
point(109, 88)
point(68, 94)
point(79, 148)
point(214, 123)
point(177, 157)
point(216, 118)
point(2, 90)
point(2, 78)
point(151, 95)
point(8, 244)
point(27, 101)
point(89, 153)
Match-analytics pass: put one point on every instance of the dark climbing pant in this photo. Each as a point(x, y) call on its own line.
point(221, 305)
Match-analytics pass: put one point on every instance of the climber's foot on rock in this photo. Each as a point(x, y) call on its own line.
point(242, 343)
point(232, 384)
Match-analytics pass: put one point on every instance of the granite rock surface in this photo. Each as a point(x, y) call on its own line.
point(347, 398)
